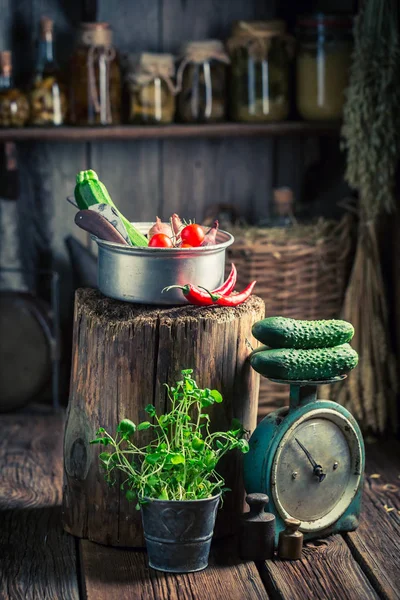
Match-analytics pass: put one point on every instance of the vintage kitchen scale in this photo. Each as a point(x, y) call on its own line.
point(309, 459)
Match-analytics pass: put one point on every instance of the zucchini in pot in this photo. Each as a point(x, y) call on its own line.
point(281, 332)
point(294, 364)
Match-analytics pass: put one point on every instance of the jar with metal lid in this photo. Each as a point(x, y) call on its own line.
point(150, 89)
point(260, 52)
point(201, 79)
point(322, 65)
point(95, 79)
point(14, 105)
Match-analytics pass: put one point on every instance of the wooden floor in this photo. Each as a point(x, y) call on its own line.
point(39, 561)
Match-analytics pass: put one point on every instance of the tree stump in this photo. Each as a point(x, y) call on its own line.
point(122, 356)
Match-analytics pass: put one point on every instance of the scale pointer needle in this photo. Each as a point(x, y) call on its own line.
point(317, 469)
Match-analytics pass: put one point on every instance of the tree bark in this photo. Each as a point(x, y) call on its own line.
point(122, 355)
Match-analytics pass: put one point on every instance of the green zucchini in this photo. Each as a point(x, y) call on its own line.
point(280, 332)
point(316, 363)
point(89, 190)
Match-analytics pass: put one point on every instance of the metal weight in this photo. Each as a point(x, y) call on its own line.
point(257, 530)
point(290, 541)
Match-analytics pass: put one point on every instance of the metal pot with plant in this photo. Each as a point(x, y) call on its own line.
point(173, 478)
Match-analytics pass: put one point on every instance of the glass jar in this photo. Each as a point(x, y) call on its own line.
point(322, 65)
point(47, 97)
point(14, 105)
point(260, 53)
point(150, 90)
point(202, 82)
point(95, 78)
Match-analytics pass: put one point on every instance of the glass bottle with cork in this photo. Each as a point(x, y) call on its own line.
point(47, 97)
point(14, 105)
point(95, 77)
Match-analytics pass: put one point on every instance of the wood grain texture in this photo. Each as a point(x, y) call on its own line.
point(376, 542)
point(37, 558)
point(114, 573)
point(327, 571)
point(122, 356)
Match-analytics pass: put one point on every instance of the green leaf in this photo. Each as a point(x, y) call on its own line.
point(105, 456)
point(244, 446)
point(143, 425)
point(100, 431)
point(105, 441)
point(163, 495)
point(187, 372)
point(197, 443)
point(207, 401)
point(177, 459)
point(130, 495)
point(152, 459)
point(217, 396)
point(151, 410)
point(126, 428)
point(220, 444)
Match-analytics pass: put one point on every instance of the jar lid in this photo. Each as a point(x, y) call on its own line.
point(201, 51)
point(332, 21)
point(258, 28)
point(142, 68)
point(95, 34)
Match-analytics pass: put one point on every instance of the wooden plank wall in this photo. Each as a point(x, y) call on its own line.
point(150, 177)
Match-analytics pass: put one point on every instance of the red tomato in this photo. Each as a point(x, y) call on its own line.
point(184, 245)
point(160, 240)
point(192, 234)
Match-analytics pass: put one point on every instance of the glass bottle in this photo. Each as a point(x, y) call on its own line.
point(260, 52)
point(322, 65)
point(150, 89)
point(202, 82)
point(14, 105)
point(95, 77)
point(282, 207)
point(47, 97)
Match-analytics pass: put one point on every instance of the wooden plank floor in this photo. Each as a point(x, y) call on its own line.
point(39, 561)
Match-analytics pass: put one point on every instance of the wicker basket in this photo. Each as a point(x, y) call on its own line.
point(301, 272)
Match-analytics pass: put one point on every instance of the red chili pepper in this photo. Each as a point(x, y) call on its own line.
point(229, 285)
point(202, 297)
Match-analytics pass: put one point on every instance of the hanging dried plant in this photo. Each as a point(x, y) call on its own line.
point(371, 133)
point(371, 118)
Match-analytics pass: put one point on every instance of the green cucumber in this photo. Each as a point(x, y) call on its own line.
point(280, 332)
point(316, 363)
point(89, 190)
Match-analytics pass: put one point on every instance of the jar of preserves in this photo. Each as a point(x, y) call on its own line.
point(14, 105)
point(150, 88)
point(322, 65)
point(47, 97)
point(201, 81)
point(260, 52)
point(95, 78)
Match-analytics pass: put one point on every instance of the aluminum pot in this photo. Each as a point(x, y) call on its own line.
point(178, 533)
point(139, 275)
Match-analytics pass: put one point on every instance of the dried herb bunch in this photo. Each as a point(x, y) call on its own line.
point(371, 127)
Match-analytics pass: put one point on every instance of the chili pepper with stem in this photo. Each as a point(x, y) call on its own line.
point(202, 297)
point(229, 285)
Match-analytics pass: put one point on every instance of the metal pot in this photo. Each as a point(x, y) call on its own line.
point(139, 275)
point(178, 533)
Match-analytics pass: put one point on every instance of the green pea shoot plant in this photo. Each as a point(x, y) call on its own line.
point(179, 463)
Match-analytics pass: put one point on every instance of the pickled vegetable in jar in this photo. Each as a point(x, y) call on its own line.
point(260, 53)
point(95, 78)
point(150, 89)
point(14, 105)
point(47, 98)
point(202, 82)
point(322, 65)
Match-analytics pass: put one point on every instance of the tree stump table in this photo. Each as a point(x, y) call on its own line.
point(122, 355)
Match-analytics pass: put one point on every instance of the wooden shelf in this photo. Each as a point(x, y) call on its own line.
point(136, 132)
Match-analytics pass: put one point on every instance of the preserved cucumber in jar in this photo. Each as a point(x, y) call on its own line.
point(14, 105)
point(150, 91)
point(260, 54)
point(202, 82)
point(322, 66)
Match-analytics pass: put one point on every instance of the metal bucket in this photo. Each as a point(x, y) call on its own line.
point(178, 533)
point(139, 275)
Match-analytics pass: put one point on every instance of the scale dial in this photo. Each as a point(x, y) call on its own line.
point(316, 470)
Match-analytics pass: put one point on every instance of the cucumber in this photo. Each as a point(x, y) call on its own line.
point(89, 190)
point(316, 363)
point(280, 332)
